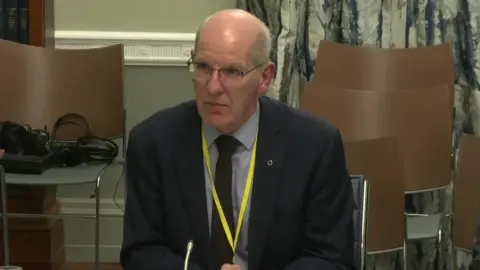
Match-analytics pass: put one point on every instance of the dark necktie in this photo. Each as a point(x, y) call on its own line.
point(222, 251)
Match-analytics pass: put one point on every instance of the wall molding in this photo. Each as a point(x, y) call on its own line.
point(86, 206)
point(141, 48)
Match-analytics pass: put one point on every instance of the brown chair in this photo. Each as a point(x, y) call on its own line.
point(424, 132)
point(343, 66)
point(359, 115)
point(39, 85)
point(346, 66)
point(367, 68)
point(378, 161)
point(424, 135)
point(466, 196)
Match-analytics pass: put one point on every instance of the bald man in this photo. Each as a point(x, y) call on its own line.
point(253, 183)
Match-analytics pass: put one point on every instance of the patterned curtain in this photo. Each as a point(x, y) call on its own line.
point(297, 26)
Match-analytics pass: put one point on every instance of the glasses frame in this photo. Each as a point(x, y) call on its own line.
point(242, 73)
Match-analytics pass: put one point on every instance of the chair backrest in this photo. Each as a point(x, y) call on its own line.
point(39, 85)
point(421, 119)
point(466, 197)
point(357, 114)
point(360, 197)
point(368, 68)
point(379, 162)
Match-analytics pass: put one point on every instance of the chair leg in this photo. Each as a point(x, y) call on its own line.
point(453, 260)
point(6, 243)
point(439, 245)
point(97, 226)
point(405, 242)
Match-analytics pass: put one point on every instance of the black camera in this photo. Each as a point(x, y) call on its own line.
point(22, 140)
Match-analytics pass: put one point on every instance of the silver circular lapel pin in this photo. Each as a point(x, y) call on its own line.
point(270, 162)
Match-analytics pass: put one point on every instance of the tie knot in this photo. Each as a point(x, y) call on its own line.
point(226, 144)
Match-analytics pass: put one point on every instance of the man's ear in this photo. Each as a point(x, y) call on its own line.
point(268, 73)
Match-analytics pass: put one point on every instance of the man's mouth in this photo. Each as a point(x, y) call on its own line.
point(215, 104)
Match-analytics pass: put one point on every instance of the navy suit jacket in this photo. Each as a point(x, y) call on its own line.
point(301, 205)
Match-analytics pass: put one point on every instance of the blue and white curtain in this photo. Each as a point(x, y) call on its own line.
point(297, 26)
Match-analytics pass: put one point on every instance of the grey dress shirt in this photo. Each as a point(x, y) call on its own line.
point(240, 163)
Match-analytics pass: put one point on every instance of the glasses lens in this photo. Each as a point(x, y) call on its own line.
point(203, 72)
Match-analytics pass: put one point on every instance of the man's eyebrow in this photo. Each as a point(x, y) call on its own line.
point(235, 65)
point(231, 65)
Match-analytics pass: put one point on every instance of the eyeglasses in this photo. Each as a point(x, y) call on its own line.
point(202, 71)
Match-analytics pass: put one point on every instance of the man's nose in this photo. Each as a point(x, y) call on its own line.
point(214, 85)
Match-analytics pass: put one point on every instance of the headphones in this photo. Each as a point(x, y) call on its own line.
point(86, 149)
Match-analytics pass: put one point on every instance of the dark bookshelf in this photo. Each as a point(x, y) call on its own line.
point(30, 22)
point(42, 23)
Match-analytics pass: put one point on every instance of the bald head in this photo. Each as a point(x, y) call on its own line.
point(237, 24)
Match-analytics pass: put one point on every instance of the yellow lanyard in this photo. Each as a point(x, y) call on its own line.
point(246, 192)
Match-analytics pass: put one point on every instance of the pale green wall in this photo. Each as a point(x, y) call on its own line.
point(135, 15)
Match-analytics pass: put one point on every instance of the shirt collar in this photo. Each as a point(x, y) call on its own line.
point(245, 135)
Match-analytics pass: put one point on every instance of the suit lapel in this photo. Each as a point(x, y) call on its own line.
point(189, 166)
point(271, 148)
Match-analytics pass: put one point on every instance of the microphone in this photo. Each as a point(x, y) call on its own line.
point(187, 256)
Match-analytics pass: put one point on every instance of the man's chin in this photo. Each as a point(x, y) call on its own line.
point(216, 122)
